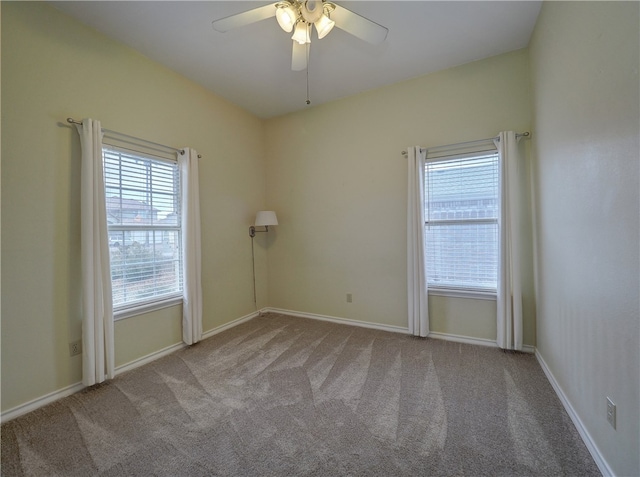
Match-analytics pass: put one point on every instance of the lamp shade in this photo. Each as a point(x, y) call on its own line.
point(266, 217)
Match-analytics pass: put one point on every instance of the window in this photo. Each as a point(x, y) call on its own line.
point(461, 214)
point(144, 220)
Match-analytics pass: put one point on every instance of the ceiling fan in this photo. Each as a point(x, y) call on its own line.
point(299, 16)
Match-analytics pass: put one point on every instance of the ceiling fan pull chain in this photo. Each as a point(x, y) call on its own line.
point(307, 48)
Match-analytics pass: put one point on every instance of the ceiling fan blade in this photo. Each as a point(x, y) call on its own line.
point(359, 26)
point(223, 25)
point(299, 56)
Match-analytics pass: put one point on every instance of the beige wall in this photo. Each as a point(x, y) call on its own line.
point(337, 180)
point(53, 67)
point(584, 61)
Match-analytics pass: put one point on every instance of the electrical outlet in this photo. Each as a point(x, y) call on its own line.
point(75, 348)
point(611, 412)
point(349, 298)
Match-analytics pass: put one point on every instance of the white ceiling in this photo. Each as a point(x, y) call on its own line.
point(251, 66)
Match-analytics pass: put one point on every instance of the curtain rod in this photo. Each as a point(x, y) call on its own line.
point(181, 151)
point(496, 138)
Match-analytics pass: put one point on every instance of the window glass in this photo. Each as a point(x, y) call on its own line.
point(143, 215)
point(461, 214)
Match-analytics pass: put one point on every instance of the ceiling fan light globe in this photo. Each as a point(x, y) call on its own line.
point(286, 17)
point(323, 26)
point(301, 33)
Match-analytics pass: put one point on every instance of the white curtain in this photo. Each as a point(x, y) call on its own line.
point(192, 300)
point(416, 264)
point(509, 300)
point(98, 361)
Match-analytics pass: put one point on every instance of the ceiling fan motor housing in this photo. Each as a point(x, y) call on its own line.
point(312, 10)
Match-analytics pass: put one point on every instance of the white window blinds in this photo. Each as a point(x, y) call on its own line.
point(461, 214)
point(144, 220)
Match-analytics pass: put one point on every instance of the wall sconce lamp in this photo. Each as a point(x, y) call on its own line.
point(264, 218)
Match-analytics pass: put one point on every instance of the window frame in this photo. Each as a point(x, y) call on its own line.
point(144, 152)
point(452, 153)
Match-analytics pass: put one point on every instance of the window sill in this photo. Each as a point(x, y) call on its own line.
point(141, 308)
point(459, 293)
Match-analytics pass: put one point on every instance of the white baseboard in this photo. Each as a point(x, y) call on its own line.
point(136, 363)
point(528, 349)
point(41, 401)
point(335, 319)
point(462, 339)
point(394, 329)
point(602, 464)
point(74, 388)
point(231, 324)
point(474, 341)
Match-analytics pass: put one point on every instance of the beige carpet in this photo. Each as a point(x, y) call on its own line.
point(283, 396)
